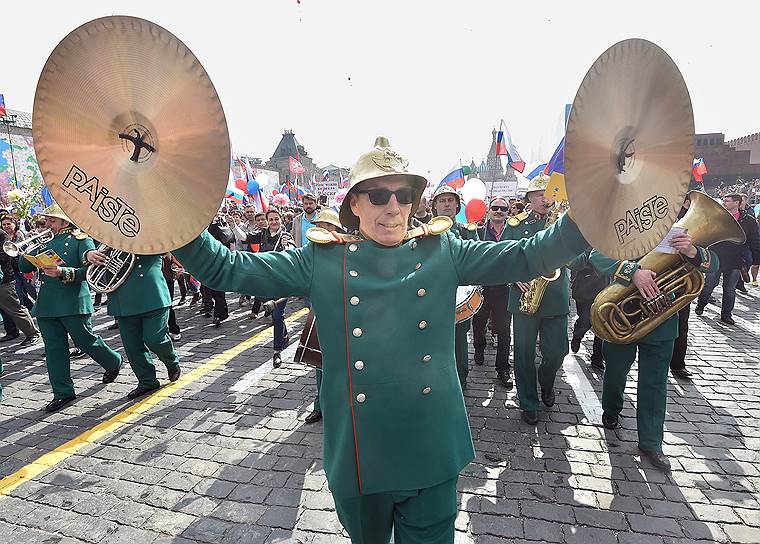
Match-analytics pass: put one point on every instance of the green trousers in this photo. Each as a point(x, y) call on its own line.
point(54, 335)
point(553, 331)
point(421, 516)
point(651, 390)
point(461, 351)
point(319, 386)
point(142, 334)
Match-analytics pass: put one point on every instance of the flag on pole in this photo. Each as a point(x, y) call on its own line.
point(555, 169)
point(233, 191)
point(455, 178)
point(325, 176)
point(505, 146)
point(295, 166)
point(3, 111)
point(698, 169)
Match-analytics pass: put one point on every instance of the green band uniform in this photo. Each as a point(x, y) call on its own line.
point(461, 345)
point(64, 307)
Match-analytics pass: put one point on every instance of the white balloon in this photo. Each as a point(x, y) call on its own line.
point(263, 180)
point(477, 188)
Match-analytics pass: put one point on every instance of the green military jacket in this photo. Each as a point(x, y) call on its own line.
point(68, 294)
point(621, 271)
point(144, 289)
point(462, 231)
point(556, 299)
point(394, 416)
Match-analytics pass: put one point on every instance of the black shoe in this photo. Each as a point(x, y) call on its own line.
point(313, 417)
point(76, 353)
point(109, 376)
point(597, 363)
point(217, 322)
point(506, 380)
point(276, 359)
point(479, 359)
point(57, 404)
point(140, 391)
point(699, 310)
point(610, 421)
point(742, 289)
point(575, 344)
point(657, 458)
point(174, 373)
point(547, 397)
point(530, 416)
point(728, 320)
point(113, 326)
point(206, 313)
point(9, 337)
point(29, 340)
point(682, 373)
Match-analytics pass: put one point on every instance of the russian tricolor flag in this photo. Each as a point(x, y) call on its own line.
point(234, 192)
point(698, 169)
point(455, 178)
point(555, 169)
point(505, 146)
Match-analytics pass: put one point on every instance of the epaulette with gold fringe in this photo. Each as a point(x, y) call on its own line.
point(436, 226)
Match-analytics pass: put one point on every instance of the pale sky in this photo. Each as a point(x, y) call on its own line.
point(434, 77)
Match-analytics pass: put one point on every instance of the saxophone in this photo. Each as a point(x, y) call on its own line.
point(530, 300)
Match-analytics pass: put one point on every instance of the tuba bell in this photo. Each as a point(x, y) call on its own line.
point(28, 246)
point(621, 315)
point(108, 277)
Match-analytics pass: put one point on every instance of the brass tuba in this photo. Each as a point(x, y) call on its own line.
point(28, 246)
point(108, 277)
point(621, 315)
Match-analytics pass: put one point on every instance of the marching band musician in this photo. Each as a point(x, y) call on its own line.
point(495, 300)
point(448, 203)
point(64, 307)
point(390, 394)
point(550, 320)
point(141, 305)
point(655, 351)
point(327, 219)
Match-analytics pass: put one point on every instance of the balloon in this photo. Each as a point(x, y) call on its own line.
point(275, 192)
point(263, 179)
point(757, 209)
point(475, 210)
point(340, 195)
point(253, 187)
point(473, 188)
point(280, 200)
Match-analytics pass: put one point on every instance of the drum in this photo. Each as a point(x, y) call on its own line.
point(469, 300)
point(308, 350)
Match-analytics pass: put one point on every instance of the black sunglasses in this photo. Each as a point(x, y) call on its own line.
point(499, 208)
point(381, 196)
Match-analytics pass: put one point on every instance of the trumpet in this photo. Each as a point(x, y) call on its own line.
point(30, 245)
point(108, 277)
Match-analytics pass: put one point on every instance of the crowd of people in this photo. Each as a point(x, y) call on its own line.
point(387, 207)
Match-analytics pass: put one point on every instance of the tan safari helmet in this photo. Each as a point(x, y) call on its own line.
point(328, 215)
point(54, 210)
point(380, 162)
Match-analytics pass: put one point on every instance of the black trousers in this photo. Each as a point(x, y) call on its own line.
point(678, 361)
point(173, 326)
point(494, 306)
point(214, 300)
point(583, 325)
point(182, 286)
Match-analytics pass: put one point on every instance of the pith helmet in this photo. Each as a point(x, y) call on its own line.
point(328, 215)
point(446, 190)
point(380, 162)
point(54, 210)
point(539, 183)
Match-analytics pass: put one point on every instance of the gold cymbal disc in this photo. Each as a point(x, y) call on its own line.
point(130, 135)
point(629, 148)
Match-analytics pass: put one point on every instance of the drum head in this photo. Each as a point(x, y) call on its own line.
point(464, 292)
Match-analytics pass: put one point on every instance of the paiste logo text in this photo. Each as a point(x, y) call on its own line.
point(641, 219)
point(109, 209)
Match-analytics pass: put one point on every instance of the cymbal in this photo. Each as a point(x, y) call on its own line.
point(130, 135)
point(629, 149)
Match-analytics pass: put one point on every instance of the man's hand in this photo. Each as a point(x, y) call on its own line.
point(52, 271)
point(644, 281)
point(524, 287)
point(683, 244)
point(96, 257)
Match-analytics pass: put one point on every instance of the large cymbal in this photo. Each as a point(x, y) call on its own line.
point(130, 135)
point(629, 149)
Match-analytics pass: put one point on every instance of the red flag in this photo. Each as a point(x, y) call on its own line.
point(295, 166)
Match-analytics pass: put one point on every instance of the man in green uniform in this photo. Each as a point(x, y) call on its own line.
point(141, 304)
point(64, 306)
point(655, 351)
point(550, 320)
point(396, 433)
point(447, 202)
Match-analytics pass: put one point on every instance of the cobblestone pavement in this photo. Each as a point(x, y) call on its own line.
point(225, 456)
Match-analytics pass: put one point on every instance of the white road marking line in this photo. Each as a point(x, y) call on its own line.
point(249, 379)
